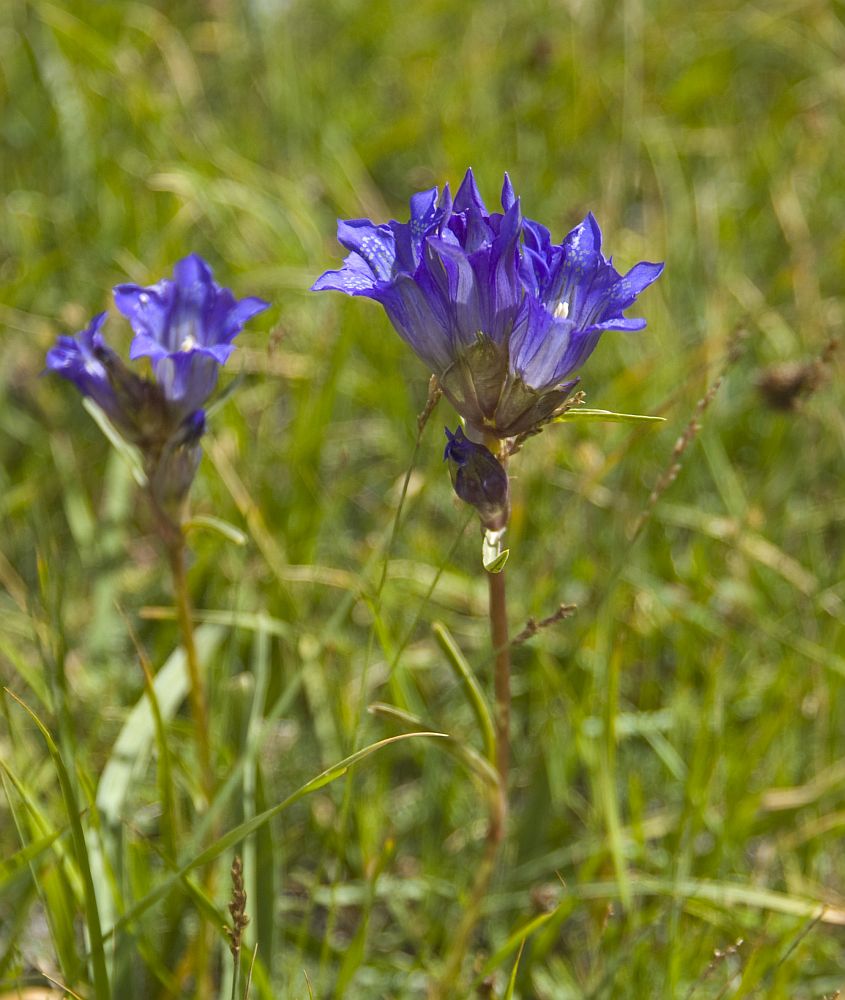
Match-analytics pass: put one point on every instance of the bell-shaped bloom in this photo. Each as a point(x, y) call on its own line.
point(500, 314)
point(186, 327)
point(78, 360)
point(479, 479)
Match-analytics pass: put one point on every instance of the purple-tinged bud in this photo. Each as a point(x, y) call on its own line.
point(479, 479)
point(173, 471)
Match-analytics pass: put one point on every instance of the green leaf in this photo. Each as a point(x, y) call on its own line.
point(102, 990)
point(515, 941)
point(497, 563)
point(471, 759)
point(134, 743)
point(13, 867)
point(606, 416)
point(53, 882)
point(216, 524)
point(127, 451)
point(238, 833)
point(472, 689)
point(512, 980)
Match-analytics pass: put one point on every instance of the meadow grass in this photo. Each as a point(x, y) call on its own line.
point(678, 760)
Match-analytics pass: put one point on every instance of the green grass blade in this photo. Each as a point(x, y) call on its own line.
point(512, 980)
point(50, 881)
point(135, 740)
point(238, 833)
point(257, 852)
point(471, 759)
point(102, 989)
point(472, 689)
point(515, 940)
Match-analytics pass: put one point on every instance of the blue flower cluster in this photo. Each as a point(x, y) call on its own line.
point(186, 327)
point(500, 314)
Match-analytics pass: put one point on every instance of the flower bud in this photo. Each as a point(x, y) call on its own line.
point(172, 471)
point(479, 479)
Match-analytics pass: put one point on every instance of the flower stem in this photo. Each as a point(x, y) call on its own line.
point(176, 551)
point(497, 822)
point(196, 691)
point(502, 685)
point(500, 641)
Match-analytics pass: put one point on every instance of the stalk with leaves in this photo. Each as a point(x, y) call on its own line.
point(503, 318)
point(185, 326)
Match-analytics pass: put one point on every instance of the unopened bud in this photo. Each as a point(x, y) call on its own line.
point(479, 479)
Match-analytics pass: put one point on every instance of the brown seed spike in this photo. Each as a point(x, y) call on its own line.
point(237, 908)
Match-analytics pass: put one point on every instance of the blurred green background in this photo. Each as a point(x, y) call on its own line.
point(679, 772)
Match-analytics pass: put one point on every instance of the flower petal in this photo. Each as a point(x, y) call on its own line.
point(75, 359)
point(186, 316)
point(468, 196)
point(354, 278)
point(187, 379)
point(408, 236)
point(625, 291)
point(375, 244)
point(416, 317)
point(508, 196)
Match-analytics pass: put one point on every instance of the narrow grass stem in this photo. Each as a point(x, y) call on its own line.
point(177, 554)
point(196, 690)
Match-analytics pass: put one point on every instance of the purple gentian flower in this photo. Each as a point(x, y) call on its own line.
point(502, 316)
point(186, 327)
point(78, 359)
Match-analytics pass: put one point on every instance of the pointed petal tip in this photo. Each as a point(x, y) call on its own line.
point(592, 222)
point(97, 322)
point(254, 303)
point(192, 268)
point(643, 274)
point(195, 258)
point(508, 194)
point(327, 282)
point(468, 195)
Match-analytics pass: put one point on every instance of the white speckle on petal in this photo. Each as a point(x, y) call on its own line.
point(189, 343)
point(143, 298)
point(356, 282)
point(376, 255)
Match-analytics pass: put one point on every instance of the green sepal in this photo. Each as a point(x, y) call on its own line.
point(493, 556)
point(127, 451)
